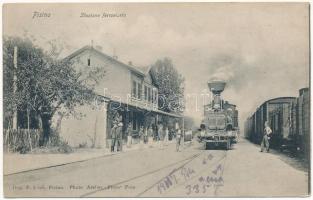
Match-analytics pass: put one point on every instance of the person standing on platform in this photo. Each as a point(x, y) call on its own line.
point(145, 136)
point(266, 138)
point(113, 137)
point(119, 136)
point(150, 136)
point(141, 136)
point(129, 133)
point(114, 134)
point(178, 138)
point(160, 136)
point(166, 136)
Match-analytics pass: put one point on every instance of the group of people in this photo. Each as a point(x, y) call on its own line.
point(146, 135)
point(163, 136)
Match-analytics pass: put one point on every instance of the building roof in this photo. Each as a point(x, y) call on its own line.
point(142, 70)
point(279, 100)
point(137, 70)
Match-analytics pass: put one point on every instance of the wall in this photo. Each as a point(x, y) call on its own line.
point(84, 129)
point(93, 124)
point(117, 77)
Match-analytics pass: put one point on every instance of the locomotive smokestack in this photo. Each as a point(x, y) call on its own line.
point(216, 87)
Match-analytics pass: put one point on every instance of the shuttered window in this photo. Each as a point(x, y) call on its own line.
point(139, 90)
point(146, 93)
point(134, 89)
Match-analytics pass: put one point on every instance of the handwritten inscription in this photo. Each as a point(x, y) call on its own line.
point(179, 176)
point(169, 181)
point(212, 177)
point(205, 182)
point(166, 183)
point(187, 172)
point(218, 168)
point(205, 159)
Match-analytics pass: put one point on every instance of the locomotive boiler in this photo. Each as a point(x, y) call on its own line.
point(219, 126)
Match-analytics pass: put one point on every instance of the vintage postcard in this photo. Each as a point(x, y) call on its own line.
point(156, 99)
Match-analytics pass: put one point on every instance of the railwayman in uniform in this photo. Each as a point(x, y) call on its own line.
point(116, 137)
point(113, 137)
point(178, 138)
point(266, 137)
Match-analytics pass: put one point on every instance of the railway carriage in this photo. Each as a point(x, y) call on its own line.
point(289, 119)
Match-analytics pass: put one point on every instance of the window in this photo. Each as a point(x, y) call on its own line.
point(155, 95)
point(134, 90)
point(88, 61)
point(149, 94)
point(146, 93)
point(152, 96)
point(139, 90)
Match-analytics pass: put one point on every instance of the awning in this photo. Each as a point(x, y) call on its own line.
point(169, 114)
point(149, 109)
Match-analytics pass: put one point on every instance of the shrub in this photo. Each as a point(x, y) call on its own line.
point(64, 147)
point(82, 145)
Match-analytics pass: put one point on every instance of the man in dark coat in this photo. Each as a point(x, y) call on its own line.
point(119, 135)
point(113, 137)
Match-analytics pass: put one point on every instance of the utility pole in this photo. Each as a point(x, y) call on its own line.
point(183, 124)
point(15, 86)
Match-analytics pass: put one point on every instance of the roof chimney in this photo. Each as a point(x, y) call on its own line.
point(130, 63)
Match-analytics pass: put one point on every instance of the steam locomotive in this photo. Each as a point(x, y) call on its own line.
point(220, 123)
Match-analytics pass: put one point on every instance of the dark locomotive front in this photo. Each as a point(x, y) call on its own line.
point(220, 123)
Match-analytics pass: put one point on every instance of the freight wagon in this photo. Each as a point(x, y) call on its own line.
point(276, 112)
point(289, 119)
point(303, 120)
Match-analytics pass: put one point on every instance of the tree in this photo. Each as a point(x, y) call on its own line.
point(44, 84)
point(170, 84)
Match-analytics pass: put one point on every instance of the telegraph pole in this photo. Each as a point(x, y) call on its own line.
point(15, 86)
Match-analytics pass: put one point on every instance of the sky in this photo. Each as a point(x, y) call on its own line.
point(261, 50)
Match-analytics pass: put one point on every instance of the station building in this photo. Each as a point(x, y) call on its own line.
point(125, 89)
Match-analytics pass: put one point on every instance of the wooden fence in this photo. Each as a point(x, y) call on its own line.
point(20, 140)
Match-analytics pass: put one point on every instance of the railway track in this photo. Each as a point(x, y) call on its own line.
point(189, 159)
point(184, 162)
